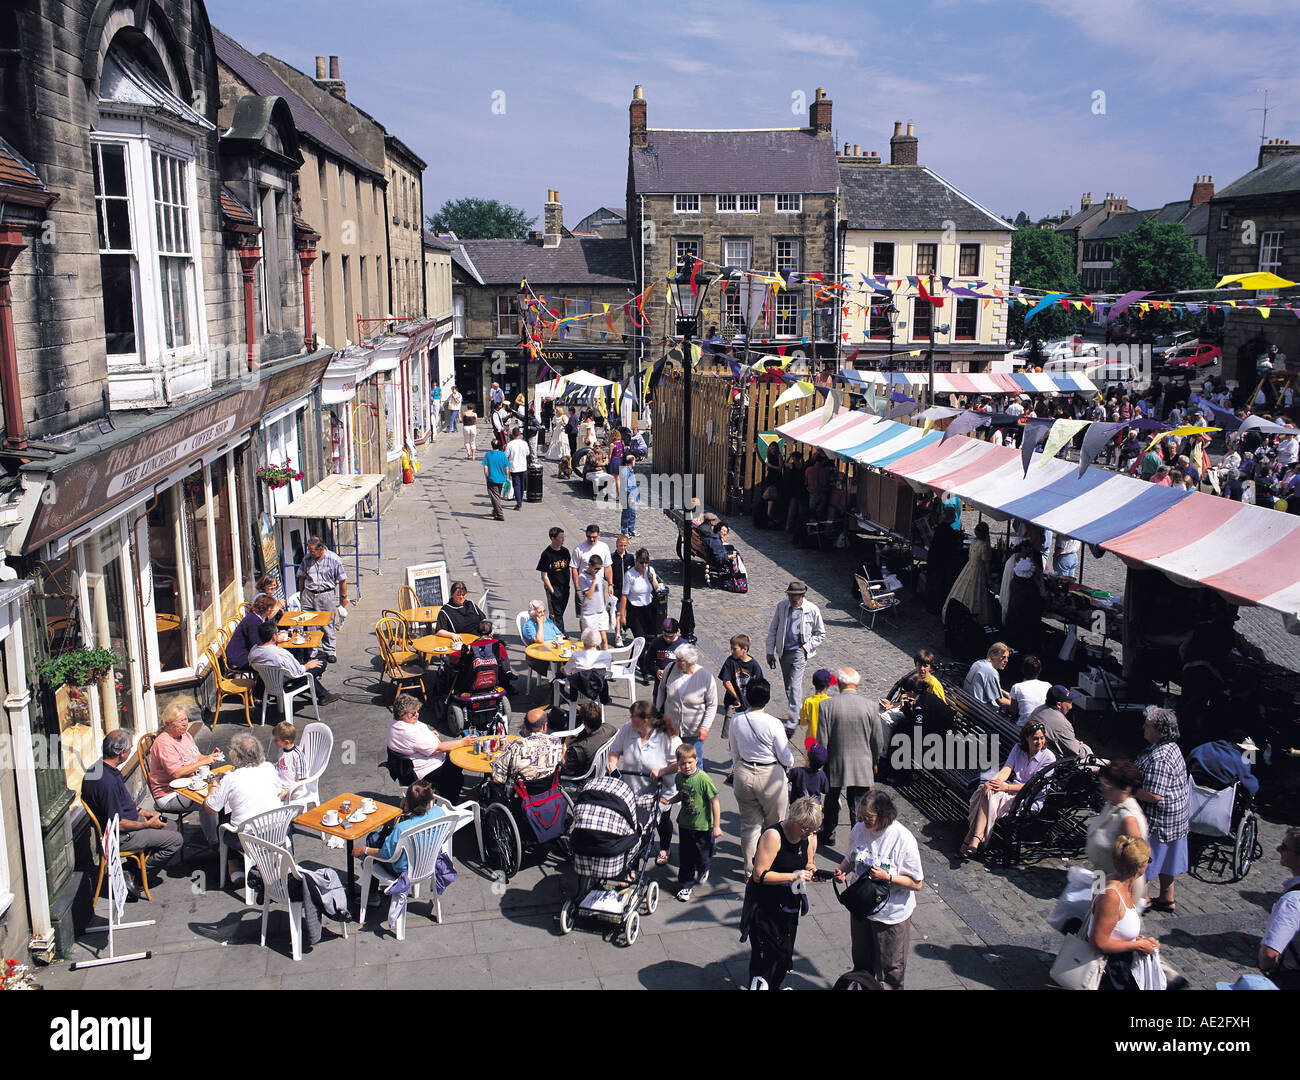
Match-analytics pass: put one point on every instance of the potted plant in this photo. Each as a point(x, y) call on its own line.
point(77, 667)
point(277, 476)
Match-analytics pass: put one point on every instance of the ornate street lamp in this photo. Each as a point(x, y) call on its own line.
point(688, 292)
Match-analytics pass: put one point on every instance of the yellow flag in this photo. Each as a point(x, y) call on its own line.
point(795, 393)
point(1178, 433)
point(1264, 312)
point(1062, 432)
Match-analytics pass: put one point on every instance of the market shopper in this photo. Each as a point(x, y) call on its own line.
point(1164, 796)
point(794, 635)
point(323, 585)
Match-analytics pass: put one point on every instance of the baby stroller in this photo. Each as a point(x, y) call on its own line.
point(475, 699)
point(613, 842)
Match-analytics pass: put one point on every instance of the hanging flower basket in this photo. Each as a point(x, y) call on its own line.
point(277, 476)
point(77, 667)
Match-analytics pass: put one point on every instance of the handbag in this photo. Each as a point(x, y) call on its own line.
point(546, 812)
point(1078, 966)
point(864, 897)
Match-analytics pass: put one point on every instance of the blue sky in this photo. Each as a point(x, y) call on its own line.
point(1003, 95)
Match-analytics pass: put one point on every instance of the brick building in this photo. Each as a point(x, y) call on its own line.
point(1255, 225)
point(756, 199)
point(158, 327)
point(577, 275)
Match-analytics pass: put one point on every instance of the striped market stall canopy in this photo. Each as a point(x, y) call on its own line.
point(975, 383)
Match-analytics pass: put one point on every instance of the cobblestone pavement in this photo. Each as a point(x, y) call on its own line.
point(974, 928)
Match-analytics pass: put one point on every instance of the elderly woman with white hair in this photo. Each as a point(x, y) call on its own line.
point(538, 629)
point(592, 656)
point(688, 696)
point(1164, 797)
point(251, 787)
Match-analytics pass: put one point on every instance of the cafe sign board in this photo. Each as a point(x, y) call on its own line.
point(85, 488)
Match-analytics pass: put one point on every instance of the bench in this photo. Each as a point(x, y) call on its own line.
point(714, 575)
point(978, 737)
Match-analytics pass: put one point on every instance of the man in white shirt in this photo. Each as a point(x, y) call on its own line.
point(582, 554)
point(517, 456)
point(794, 636)
point(1014, 408)
point(760, 754)
point(271, 653)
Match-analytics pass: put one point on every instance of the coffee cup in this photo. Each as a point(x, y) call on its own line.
point(330, 817)
point(368, 805)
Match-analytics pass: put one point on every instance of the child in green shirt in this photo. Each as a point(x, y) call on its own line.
point(699, 823)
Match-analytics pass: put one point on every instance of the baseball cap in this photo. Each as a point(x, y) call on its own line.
point(823, 678)
point(1058, 694)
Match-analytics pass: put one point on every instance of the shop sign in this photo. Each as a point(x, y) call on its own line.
point(286, 381)
point(87, 488)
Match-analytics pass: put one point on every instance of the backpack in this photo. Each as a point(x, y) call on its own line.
point(479, 668)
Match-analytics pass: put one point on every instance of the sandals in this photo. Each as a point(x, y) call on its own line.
point(661, 859)
point(968, 850)
point(1164, 905)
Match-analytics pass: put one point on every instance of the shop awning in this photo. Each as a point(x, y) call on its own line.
point(809, 427)
point(972, 383)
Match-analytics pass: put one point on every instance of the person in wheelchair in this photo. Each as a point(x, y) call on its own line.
point(483, 664)
point(580, 750)
point(1223, 762)
point(535, 757)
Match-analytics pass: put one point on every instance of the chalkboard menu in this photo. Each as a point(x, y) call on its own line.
point(429, 583)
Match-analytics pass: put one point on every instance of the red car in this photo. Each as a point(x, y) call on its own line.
point(1193, 356)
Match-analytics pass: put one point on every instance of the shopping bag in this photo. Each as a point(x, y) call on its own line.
point(1078, 966)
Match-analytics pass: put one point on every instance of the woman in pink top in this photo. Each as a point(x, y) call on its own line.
point(176, 755)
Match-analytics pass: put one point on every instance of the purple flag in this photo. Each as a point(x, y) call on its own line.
point(1096, 437)
point(967, 421)
point(1123, 302)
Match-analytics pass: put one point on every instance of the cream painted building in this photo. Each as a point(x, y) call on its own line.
point(902, 220)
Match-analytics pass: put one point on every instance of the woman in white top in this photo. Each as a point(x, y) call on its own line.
point(251, 787)
point(887, 852)
point(587, 430)
point(593, 598)
point(1117, 781)
point(636, 611)
point(688, 696)
point(558, 444)
point(1116, 926)
point(1031, 691)
point(643, 752)
point(425, 748)
point(591, 656)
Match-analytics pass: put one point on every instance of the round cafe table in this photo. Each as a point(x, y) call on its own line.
point(433, 647)
point(469, 761)
point(546, 658)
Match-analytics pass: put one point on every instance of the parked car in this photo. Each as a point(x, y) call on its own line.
point(1167, 344)
point(1193, 356)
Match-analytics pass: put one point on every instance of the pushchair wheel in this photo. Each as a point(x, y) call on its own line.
point(631, 928)
point(568, 910)
point(651, 897)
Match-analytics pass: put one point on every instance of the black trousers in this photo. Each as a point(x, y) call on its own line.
point(831, 811)
point(558, 601)
point(641, 621)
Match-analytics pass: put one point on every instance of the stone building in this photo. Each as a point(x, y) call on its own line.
point(158, 325)
point(756, 199)
point(1255, 225)
point(575, 274)
point(902, 220)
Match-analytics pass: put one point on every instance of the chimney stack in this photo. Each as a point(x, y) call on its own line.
point(552, 219)
point(636, 119)
point(1202, 190)
point(1085, 200)
point(819, 116)
point(1275, 148)
point(902, 148)
point(333, 84)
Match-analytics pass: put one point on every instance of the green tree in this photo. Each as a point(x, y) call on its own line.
point(1159, 257)
point(1042, 260)
point(481, 219)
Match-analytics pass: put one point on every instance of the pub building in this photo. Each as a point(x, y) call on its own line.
point(155, 354)
point(577, 275)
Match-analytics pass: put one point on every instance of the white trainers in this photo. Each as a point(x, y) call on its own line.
point(684, 894)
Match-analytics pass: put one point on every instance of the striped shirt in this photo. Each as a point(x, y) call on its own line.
point(325, 573)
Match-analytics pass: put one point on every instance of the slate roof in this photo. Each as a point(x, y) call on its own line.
point(431, 240)
point(1193, 219)
point(18, 173)
point(581, 260)
point(909, 197)
point(713, 162)
point(1119, 224)
point(1075, 221)
point(265, 82)
point(1276, 177)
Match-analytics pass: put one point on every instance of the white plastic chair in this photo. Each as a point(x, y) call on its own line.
point(471, 807)
point(421, 847)
point(271, 826)
point(520, 619)
point(317, 744)
point(623, 670)
point(273, 686)
point(276, 864)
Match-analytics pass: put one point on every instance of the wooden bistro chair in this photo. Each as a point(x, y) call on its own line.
point(391, 635)
point(141, 857)
point(408, 601)
point(403, 653)
point(227, 685)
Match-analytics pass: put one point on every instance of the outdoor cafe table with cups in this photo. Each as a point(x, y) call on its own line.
point(553, 654)
point(197, 786)
point(305, 620)
point(305, 639)
point(350, 817)
point(477, 757)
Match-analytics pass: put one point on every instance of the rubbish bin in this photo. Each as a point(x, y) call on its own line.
point(533, 492)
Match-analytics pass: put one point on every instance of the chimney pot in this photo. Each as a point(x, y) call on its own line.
point(902, 148)
point(320, 67)
point(898, 127)
point(636, 118)
point(819, 114)
point(637, 93)
point(334, 67)
point(821, 93)
point(909, 129)
point(857, 150)
point(846, 149)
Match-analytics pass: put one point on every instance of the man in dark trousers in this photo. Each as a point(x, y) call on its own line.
point(554, 564)
point(849, 726)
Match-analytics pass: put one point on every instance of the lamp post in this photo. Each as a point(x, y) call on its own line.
point(687, 291)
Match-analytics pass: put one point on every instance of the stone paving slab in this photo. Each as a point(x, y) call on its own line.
point(974, 928)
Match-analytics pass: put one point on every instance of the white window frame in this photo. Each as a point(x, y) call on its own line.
point(1270, 243)
point(696, 244)
point(733, 312)
point(979, 258)
point(793, 201)
point(1225, 219)
point(743, 208)
point(725, 204)
point(515, 315)
point(458, 315)
point(142, 139)
point(133, 252)
point(686, 204)
point(786, 262)
point(727, 260)
point(785, 303)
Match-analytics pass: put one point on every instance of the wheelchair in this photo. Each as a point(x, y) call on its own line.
point(472, 704)
point(1224, 830)
point(506, 831)
point(1059, 827)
